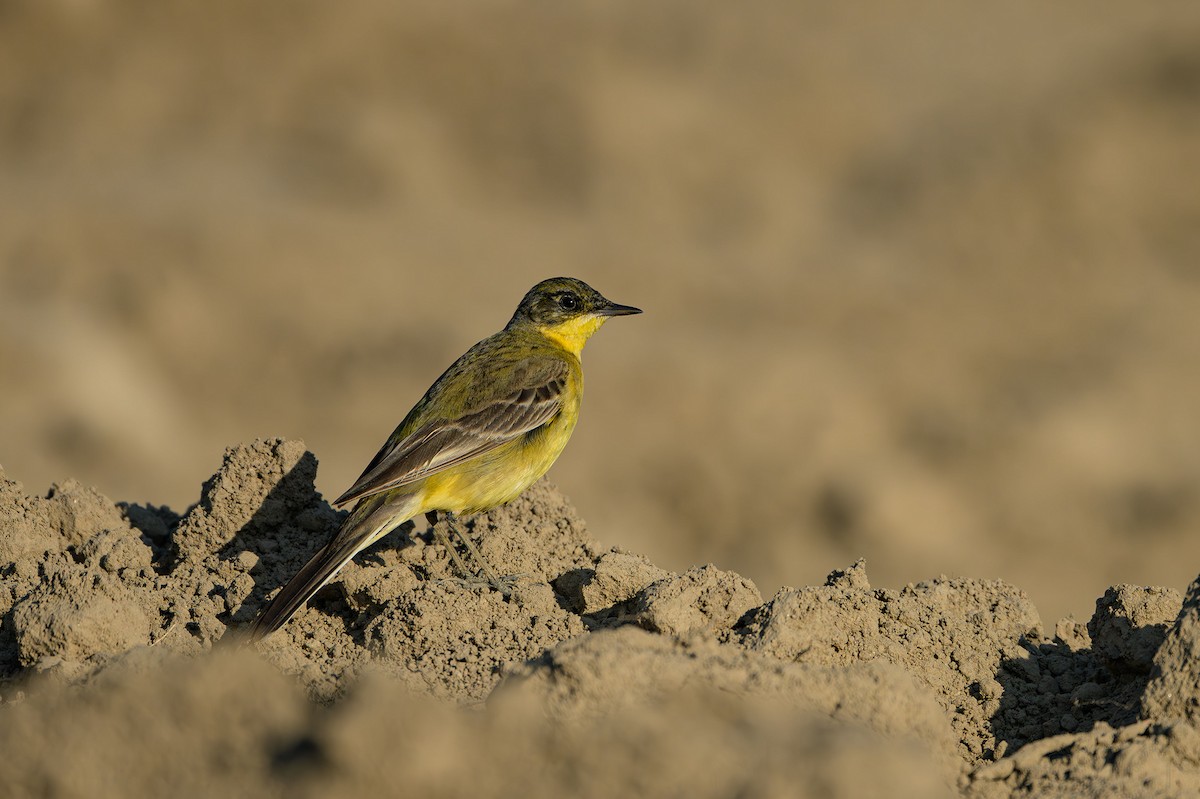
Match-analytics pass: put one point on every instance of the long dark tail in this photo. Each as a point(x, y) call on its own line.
point(373, 518)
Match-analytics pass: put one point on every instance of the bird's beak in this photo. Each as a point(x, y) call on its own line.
point(613, 309)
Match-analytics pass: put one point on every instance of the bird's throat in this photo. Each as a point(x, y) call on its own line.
point(574, 333)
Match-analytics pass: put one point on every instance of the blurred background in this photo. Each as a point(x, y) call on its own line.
point(921, 280)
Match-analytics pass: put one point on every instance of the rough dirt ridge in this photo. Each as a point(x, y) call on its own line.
point(602, 675)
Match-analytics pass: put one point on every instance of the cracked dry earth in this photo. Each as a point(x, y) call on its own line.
point(602, 675)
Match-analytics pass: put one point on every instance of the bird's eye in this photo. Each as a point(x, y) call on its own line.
point(568, 302)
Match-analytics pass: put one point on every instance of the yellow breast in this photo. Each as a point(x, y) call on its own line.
point(501, 475)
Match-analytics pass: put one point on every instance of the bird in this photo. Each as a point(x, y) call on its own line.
point(488, 428)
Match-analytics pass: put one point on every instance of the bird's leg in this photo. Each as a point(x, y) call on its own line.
point(503, 585)
point(445, 541)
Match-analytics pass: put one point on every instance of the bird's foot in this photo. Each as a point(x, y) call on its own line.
point(486, 575)
point(502, 584)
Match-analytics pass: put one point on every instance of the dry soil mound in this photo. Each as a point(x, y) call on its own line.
point(603, 674)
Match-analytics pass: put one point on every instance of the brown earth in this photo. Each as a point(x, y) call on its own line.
point(920, 278)
point(602, 674)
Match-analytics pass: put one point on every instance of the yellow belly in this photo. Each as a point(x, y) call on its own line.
point(500, 475)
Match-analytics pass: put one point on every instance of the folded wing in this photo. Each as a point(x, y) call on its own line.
point(440, 444)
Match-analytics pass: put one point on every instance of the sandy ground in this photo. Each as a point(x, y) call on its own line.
point(602, 675)
point(920, 280)
point(921, 288)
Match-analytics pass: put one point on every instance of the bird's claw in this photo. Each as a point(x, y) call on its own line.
point(503, 584)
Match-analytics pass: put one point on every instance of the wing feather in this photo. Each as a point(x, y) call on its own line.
point(440, 444)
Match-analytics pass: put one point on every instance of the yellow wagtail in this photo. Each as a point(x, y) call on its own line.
point(486, 430)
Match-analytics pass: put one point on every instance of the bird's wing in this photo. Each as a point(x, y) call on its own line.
point(534, 398)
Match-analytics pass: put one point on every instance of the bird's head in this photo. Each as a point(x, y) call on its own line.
point(567, 310)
